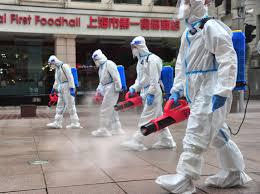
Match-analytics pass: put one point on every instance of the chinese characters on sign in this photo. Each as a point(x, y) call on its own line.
point(125, 23)
point(92, 22)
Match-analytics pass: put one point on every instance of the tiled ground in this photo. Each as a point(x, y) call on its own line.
point(81, 164)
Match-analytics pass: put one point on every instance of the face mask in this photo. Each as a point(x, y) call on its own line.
point(135, 52)
point(97, 63)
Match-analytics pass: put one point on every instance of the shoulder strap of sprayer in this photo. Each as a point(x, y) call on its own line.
point(147, 59)
point(204, 21)
point(160, 81)
point(193, 31)
point(64, 72)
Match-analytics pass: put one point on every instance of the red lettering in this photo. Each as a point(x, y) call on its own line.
point(57, 22)
point(3, 19)
point(29, 19)
point(43, 21)
point(124, 23)
point(134, 23)
point(36, 19)
point(165, 25)
point(24, 20)
point(91, 21)
point(13, 18)
point(114, 23)
point(145, 24)
point(175, 25)
point(155, 24)
point(64, 20)
point(78, 22)
point(72, 23)
point(103, 22)
point(50, 21)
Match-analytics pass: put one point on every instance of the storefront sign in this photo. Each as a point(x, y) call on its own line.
point(84, 24)
point(126, 23)
point(102, 22)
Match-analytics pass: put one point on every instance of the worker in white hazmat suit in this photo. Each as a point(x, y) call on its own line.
point(148, 70)
point(65, 87)
point(109, 87)
point(206, 70)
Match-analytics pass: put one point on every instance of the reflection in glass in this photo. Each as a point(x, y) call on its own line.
point(22, 71)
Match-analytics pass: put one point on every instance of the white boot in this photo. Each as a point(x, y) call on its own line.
point(74, 126)
point(54, 125)
point(176, 183)
point(164, 143)
point(102, 132)
point(117, 129)
point(231, 162)
point(226, 179)
point(134, 145)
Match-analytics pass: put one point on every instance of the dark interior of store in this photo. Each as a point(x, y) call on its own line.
point(25, 77)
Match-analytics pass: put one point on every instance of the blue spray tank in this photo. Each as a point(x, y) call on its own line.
point(75, 76)
point(167, 76)
point(239, 43)
point(121, 71)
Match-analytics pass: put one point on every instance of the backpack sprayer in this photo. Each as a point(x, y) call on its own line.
point(239, 44)
point(181, 112)
point(98, 98)
point(54, 97)
point(130, 102)
point(172, 114)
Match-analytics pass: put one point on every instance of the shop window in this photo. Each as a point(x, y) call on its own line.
point(89, 1)
point(121, 54)
point(23, 70)
point(165, 2)
point(128, 1)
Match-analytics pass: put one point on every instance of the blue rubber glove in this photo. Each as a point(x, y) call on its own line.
point(132, 92)
point(52, 91)
point(217, 102)
point(166, 97)
point(175, 97)
point(150, 99)
point(124, 88)
point(72, 92)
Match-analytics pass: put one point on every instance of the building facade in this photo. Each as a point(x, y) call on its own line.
point(31, 30)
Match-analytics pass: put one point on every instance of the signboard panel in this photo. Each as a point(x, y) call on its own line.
point(57, 23)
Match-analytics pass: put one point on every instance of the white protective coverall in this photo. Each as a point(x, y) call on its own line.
point(109, 87)
point(63, 82)
point(148, 70)
point(206, 66)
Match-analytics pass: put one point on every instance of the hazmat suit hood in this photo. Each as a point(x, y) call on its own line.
point(99, 58)
point(53, 61)
point(192, 10)
point(198, 11)
point(139, 48)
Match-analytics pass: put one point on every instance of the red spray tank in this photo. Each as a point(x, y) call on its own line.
point(53, 99)
point(130, 102)
point(170, 116)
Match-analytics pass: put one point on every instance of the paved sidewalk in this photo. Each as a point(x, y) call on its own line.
point(81, 164)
